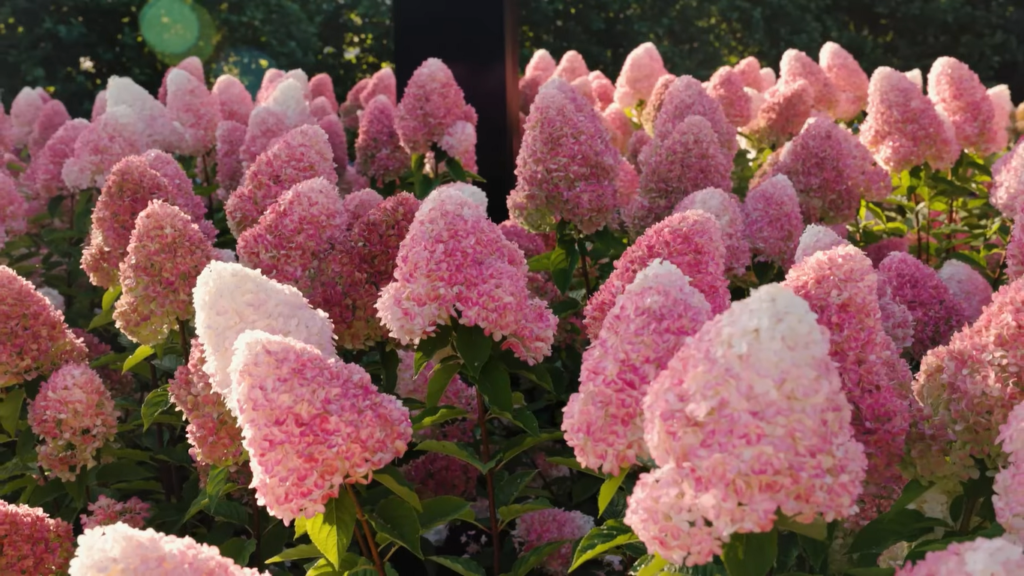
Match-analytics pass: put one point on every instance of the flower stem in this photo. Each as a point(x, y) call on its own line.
point(965, 521)
point(583, 263)
point(485, 455)
point(366, 528)
point(183, 335)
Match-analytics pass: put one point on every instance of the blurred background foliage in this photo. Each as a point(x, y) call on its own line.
point(71, 46)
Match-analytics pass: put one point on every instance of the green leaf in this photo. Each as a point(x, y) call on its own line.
point(750, 554)
point(15, 167)
point(389, 362)
point(462, 566)
point(495, 384)
point(300, 526)
point(513, 511)
point(473, 346)
point(110, 296)
point(601, 540)
point(649, 565)
point(459, 451)
point(238, 549)
point(608, 490)
point(231, 511)
point(443, 509)
point(331, 531)
point(525, 419)
point(300, 552)
point(156, 402)
point(393, 479)
point(428, 348)
point(547, 261)
point(507, 491)
point(817, 529)
point(140, 354)
point(572, 463)
point(396, 519)
point(527, 441)
point(10, 410)
point(200, 503)
point(324, 568)
point(562, 271)
point(534, 558)
point(440, 376)
point(432, 416)
point(888, 529)
point(102, 319)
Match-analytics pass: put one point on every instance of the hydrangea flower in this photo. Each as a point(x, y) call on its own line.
point(537, 528)
point(382, 83)
point(379, 151)
point(349, 109)
point(937, 313)
point(111, 137)
point(774, 225)
point(817, 238)
point(897, 321)
point(1007, 192)
point(192, 106)
point(431, 103)
point(1008, 500)
point(282, 112)
point(994, 556)
point(967, 286)
point(192, 66)
point(602, 88)
point(684, 98)
point(156, 126)
point(43, 177)
point(640, 72)
point(230, 136)
point(999, 131)
point(25, 110)
point(960, 96)
point(13, 208)
point(796, 66)
point(51, 118)
point(105, 511)
point(33, 543)
point(322, 86)
point(653, 105)
point(233, 100)
point(848, 78)
point(785, 109)
point(571, 66)
point(541, 62)
point(725, 207)
point(726, 87)
point(749, 70)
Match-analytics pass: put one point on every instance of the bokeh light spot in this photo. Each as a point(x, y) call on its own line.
point(169, 26)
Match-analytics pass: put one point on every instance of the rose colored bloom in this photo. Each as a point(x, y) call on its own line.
point(817, 238)
point(335, 130)
point(230, 299)
point(1008, 501)
point(349, 109)
point(440, 475)
point(691, 241)
point(797, 66)
point(431, 103)
point(351, 180)
point(13, 209)
point(34, 340)
point(382, 83)
point(358, 204)
point(726, 87)
point(451, 226)
point(566, 166)
point(119, 384)
point(111, 137)
point(686, 97)
point(531, 243)
point(749, 70)
point(677, 164)
point(848, 78)
point(619, 126)
point(156, 126)
point(99, 105)
point(285, 110)
point(639, 74)
point(273, 79)
point(320, 108)
point(936, 311)
point(230, 136)
point(537, 528)
point(165, 255)
point(457, 394)
point(6, 130)
point(43, 177)
point(122, 549)
point(192, 66)
point(897, 321)
point(542, 63)
point(192, 106)
point(979, 557)
point(725, 207)
point(233, 100)
point(212, 430)
point(1007, 192)
point(571, 67)
point(967, 286)
point(786, 107)
point(74, 416)
point(301, 154)
point(602, 88)
point(653, 105)
point(774, 224)
point(879, 250)
point(651, 319)
point(960, 96)
point(998, 135)
point(105, 511)
point(1015, 254)
point(841, 288)
point(310, 422)
point(529, 86)
point(903, 128)
point(637, 142)
point(460, 143)
point(321, 86)
point(32, 542)
point(52, 116)
point(25, 110)
point(582, 86)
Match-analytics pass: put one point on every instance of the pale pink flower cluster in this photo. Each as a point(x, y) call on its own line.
point(233, 101)
point(1008, 499)
point(726, 87)
point(748, 419)
point(640, 72)
point(120, 384)
point(52, 116)
point(917, 286)
point(538, 70)
point(725, 207)
point(436, 475)
point(817, 238)
point(13, 209)
point(960, 96)
point(979, 557)
point(571, 66)
point(1015, 254)
point(999, 131)
point(968, 287)
point(109, 138)
point(603, 89)
point(155, 125)
point(122, 549)
point(6, 130)
point(653, 105)
point(310, 422)
point(531, 243)
point(335, 130)
point(105, 511)
point(195, 109)
point(73, 414)
point(567, 166)
point(619, 127)
point(192, 66)
point(382, 83)
point(230, 136)
point(537, 528)
point(774, 225)
point(34, 340)
point(349, 109)
point(166, 253)
point(454, 260)
point(43, 178)
point(431, 103)
point(848, 78)
point(322, 86)
point(282, 105)
point(897, 321)
point(650, 320)
point(212, 430)
point(879, 250)
point(786, 107)
point(686, 97)
point(32, 542)
point(25, 110)
point(1007, 192)
point(379, 151)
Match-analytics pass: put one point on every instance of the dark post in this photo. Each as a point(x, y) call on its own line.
point(479, 41)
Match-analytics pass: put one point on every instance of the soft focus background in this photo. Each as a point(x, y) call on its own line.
point(70, 47)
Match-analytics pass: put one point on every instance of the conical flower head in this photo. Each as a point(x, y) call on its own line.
point(43, 177)
point(25, 110)
point(535, 529)
point(979, 556)
point(107, 140)
point(34, 543)
point(1007, 192)
point(602, 88)
point(967, 286)
point(233, 100)
point(51, 118)
point(786, 107)
point(542, 63)
point(322, 86)
point(903, 128)
point(650, 320)
point(1008, 500)
point(335, 130)
point(451, 227)
point(349, 109)
point(780, 437)
point(6, 130)
point(459, 142)
point(797, 66)
point(639, 74)
point(653, 105)
point(192, 66)
point(13, 209)
point(749, 70)
point(157, 127)
point(691, 241)
point(817, 238)
point(774, 225)
point(34, 340)
point(379, 151)
point(431, 103)
point(914, 284)
point(686, 97)
point(726, 87)
point(165, 255)
point(998, 135)
point(310, 423)
point(960, 96)
point(566, 166)
point(725, 207)
point(230, 136)
point(192, 106)
point(382, 83)
point(301, 154)
point(848, 78)
point(284, 110)
point(571, 67)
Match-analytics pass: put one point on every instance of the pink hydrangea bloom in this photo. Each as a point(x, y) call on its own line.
point(677, 164)
point(273, 78)
point(967, 286)
point(457, 394)
point(774, 225)
point(233, 100)
point(33, 543)
point(639, 74)
point(1008, 501)
point(99, 147)
point(619, 126)
point(43, 177)
point(25, 110)
point(740, 434)
point(349, 109)
point(192, 106)
point(50, 119)
point(537, 528)
point(841, 288)
point(602, 88)
point(431, 103)
point(749, 70)
point(582, 87)
point(571, 67)
point(212, 430)
point(99, 105)
point(320, 108)
point(13, 208)
point(637, 142)
point(230, 136)
point(119, 384)
point(879, 250)
point(897, 321)
point(34, 340)
point(192, 66)
point(285, 110)
point(105, 511)
point(531, 243)
point(322, 86)
point(903, 128)
point(351, 180)
point(310, 422)
point(653, 105)
point(451, 226)
point(1007, 192)
point(936, 311)
point(460, 143)
point(725, 207)
point(74, 416)
point(230, 299)
point(436, 475)
point(566, 166)
point(848, 78)
point(529, 86)
point(541, 62)
point(1015, 254)
point(301, 154)
point(122, 549)
point(157, 128)
point(691, 241)
point(335, 130)
point(998, 135)
point(817, 238)
point(382, 83)
point(379, 151)
point(786, 107)
point(165, 255)
point(650, 320)
point(686, 97)
point(359, 203)
point(982, 556)
point(726, 87)
point(797, 66)
point(960, 96)
point(6, 130)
